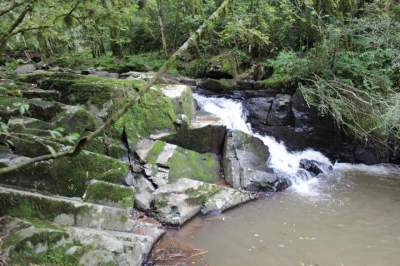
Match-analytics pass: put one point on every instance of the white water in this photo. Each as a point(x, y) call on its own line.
point(281, 160)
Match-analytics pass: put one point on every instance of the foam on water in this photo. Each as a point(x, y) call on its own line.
point(378, 169)
point(233, 115)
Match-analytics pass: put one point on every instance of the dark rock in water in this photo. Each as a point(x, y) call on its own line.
point(366, 155)
point(282, 184)
point(280, 113)
point(259, 109)
point(220, 85)
point(244, 161)
point(315, 167)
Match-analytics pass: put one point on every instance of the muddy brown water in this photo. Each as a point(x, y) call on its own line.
point(351, 218)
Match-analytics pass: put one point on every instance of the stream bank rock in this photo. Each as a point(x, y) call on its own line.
point(67, 176)
point(169, 162)
point(176, 203)
point(206, 133)
point(77, 232)
point(244, 163)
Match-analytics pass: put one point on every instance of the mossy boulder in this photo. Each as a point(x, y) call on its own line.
point(176, 203)
point(182, 163)
point(222, 67)
point(182, 98)
point(75, 119)
point(33, 241)
point(153, 114)
point(206, 133)
point(196, 68)
point(66, 176)
point(107, 146)
point(109, 194)
point(81, 89)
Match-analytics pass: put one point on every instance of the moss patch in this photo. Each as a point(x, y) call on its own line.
point(72, 173)
point(68, 176)
point(30, 207)
point(155, 112)
point(201, 194)
point(110, 194)
point(190, 164)
point(157, 148)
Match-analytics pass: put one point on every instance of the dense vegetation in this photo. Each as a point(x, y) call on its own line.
point(344, 54)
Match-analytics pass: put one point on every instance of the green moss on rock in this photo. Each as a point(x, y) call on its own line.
point(190, 164)
point(73, 173)
point(68, 176)
point(199, 195)
point(157, 148)
point(155, 112)
point(110, 194)
point(30, 207)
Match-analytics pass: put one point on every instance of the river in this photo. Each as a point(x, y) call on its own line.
point(348, 217)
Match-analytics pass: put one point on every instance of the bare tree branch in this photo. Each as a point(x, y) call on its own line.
point(131, 101)
point(10, 8)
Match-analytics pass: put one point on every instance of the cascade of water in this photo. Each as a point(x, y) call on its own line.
point(234, 116)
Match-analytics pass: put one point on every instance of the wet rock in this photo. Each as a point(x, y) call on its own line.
point(259, 109)
point(244, 163)
point(25, 69)
point(225, 199)
point(280, 113)
point(315, 167)
point(170, 205)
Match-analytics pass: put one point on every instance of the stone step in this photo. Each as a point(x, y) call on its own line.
point(72, 212)
point(24, 239)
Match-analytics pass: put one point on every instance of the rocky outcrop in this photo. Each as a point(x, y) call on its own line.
point(109, 194)
point(176, 203)
point(77, 232)
point(172, 175)
point(206, 133)
point(178, 161)
point(315, 167)
point(244, 163)
point(66, 176)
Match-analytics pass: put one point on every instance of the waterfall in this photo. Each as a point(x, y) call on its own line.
point(234, 116)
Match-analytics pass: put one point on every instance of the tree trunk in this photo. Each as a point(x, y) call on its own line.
point(115, 47)
point(9, 33)
point(160, 21)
